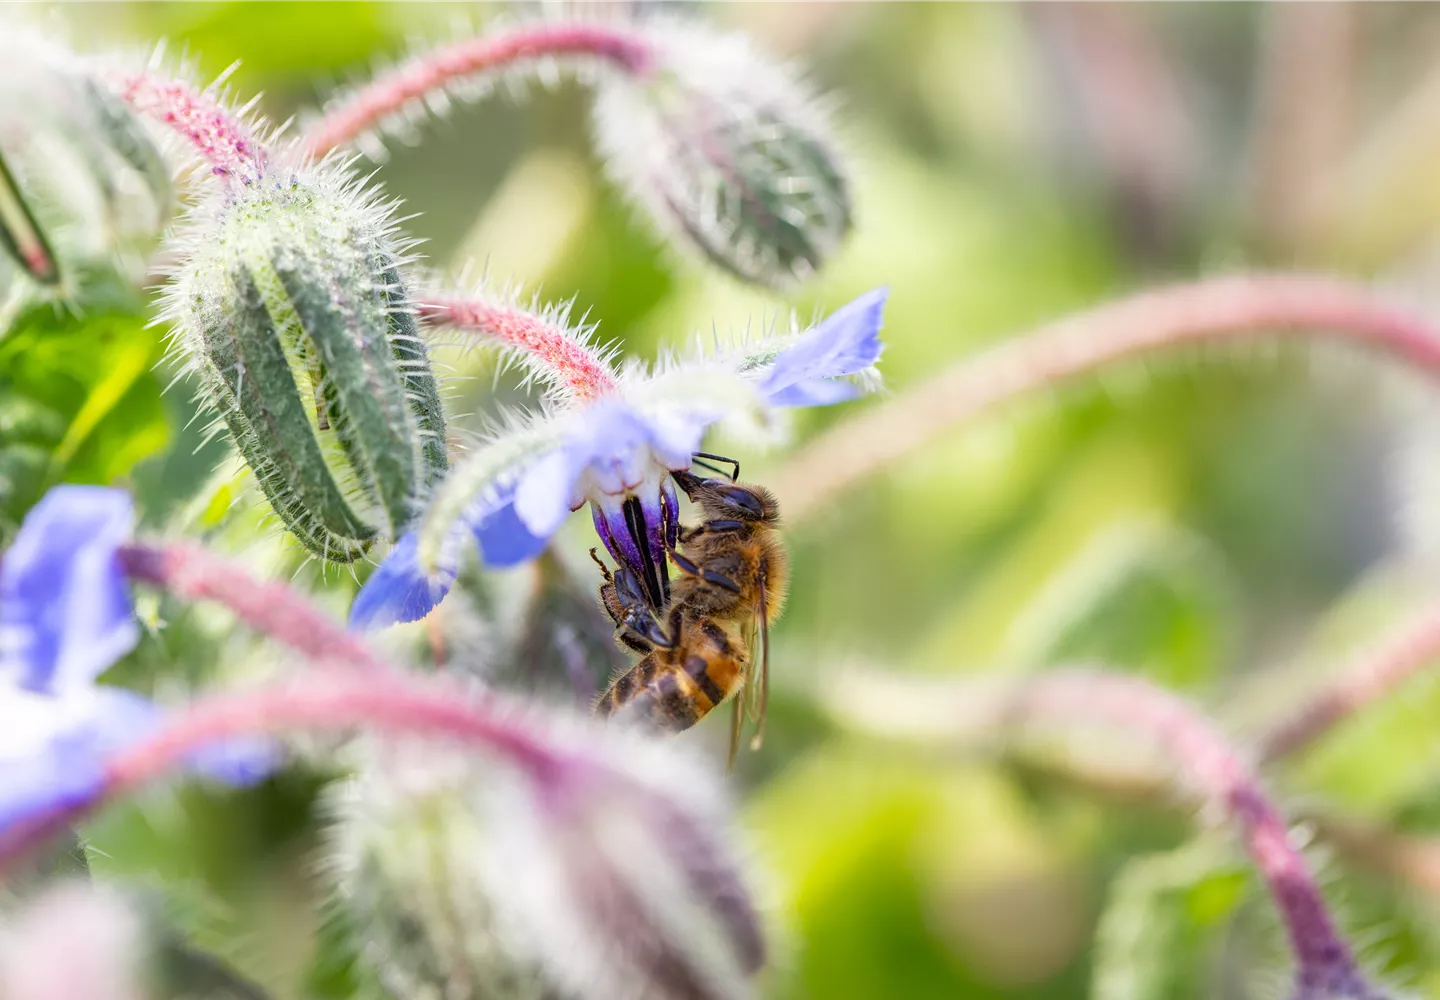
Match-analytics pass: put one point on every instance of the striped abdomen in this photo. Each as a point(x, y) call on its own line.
point(675, 688)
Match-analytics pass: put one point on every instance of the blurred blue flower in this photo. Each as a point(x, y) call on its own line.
point(617, 453)
point(65, 612)
point(65, 617)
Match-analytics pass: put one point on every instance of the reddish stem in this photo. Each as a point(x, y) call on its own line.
point(1215, 310)
point(279, 611)
point(1324, 963)
point(432, 71)
point(223, 140)
point(561, 358)
point(1394, 659)
point(396, 703)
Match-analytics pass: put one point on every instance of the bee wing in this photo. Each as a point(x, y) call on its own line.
point(757, 682)
point(737, 719)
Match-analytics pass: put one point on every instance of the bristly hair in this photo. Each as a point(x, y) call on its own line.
point(560, 355)
point(762, 193)
point(510, 55)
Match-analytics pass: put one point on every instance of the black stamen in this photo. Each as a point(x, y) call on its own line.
point(635, 521)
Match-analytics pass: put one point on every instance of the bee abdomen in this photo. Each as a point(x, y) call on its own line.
point(666, 698)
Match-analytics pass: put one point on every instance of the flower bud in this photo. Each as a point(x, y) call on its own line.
point(72, 943)
point(82, 186)
point(407, 851)
point(607, 877)
point(292, 309)
point(729, 153)
point(619, 876)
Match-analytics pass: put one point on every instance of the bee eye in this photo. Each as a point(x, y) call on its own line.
point(742, 500)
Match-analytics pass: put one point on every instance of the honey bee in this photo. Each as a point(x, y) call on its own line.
point(734, 575)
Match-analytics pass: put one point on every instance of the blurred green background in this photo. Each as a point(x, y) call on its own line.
point(1231, 524)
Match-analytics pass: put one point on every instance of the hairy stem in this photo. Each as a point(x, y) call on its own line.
point(221, 138)
point(1377, 671)
point(192, 573)
point(1210, 311)
point(395, 703)
point(433, 71)
point(554, 352)
point(1064, 700)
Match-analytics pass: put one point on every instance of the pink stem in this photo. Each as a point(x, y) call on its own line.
point(396, 703)
point(273, 608)
point(1396, 658)
point(1210, 311)
point(563, 358)
point(222, 139)
point(1324, 963)
point(386, 95)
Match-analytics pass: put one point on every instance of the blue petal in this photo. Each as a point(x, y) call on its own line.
point(398, 590)
point(65, 612)
point(240, 762)
point(815, 392)
point(846, 342)
point(542, 496)
point(504, 539)
point(65, 765)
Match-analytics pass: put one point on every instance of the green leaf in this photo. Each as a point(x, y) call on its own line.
point(79, 402)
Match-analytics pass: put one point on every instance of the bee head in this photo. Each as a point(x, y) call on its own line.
point(738, 501)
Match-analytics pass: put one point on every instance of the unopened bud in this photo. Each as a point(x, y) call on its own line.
point(84, 192)
point(607, 875)
point(74, 942)
point(292, 309)
point(729, 153)
point(621, 878)
point(407, 857)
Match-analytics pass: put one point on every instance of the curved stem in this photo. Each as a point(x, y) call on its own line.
point(273, 608)
point(390, 93)
point(396, 703)
point(1067, 699)
point(1211, 311)
point(221, 138)
point(556, 355)
point(1377, 671)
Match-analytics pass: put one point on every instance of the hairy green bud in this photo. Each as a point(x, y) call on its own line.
point(408, 848)
point(729, 153)
point(84, 192)
point(293, 311)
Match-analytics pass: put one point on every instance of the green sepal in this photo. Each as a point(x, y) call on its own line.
point(254, 390)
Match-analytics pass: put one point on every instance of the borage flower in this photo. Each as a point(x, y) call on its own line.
point(65, 617)
point(610, 438)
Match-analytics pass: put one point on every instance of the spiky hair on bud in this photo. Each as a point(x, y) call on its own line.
point(729, 153)
point(84, 192)
point(289, 308)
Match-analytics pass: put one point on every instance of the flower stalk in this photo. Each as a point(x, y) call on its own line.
point(1392, 660)
point(1067, 699)
point(391, 93)
point(554, 354)
point(1219, 310)
point(220, 137)
point(273, 608)
point(396, 704)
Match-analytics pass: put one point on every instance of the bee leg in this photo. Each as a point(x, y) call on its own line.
point(734, 472)
point(708, 575)
point(604, 570)
point(718, 526)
